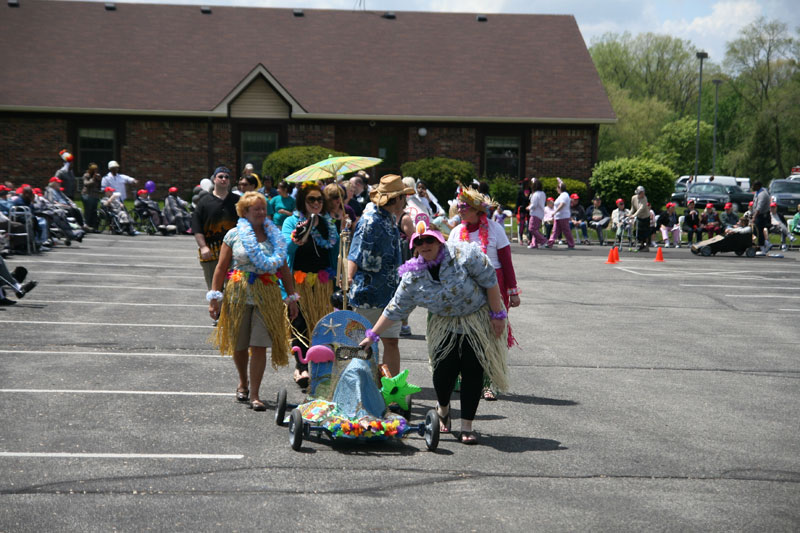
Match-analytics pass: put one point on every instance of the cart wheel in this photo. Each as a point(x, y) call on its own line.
point(750, 252)
point(407, 413)
point(295, 429)
point(432, 430)
point(280, 408)
point(739, 252)
point(705, 250)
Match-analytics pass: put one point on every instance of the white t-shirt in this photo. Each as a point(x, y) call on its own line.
point(497, 239)
point(565, 212)
point(536, 207)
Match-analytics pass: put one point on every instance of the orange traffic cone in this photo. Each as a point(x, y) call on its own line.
point(659, 256)
point(611, 260)
point(616, 254)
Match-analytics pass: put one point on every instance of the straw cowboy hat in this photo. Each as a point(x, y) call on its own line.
point(391, 186)
point(476, 200)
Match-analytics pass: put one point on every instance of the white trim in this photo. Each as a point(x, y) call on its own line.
point(260, 70)
point(443, 118)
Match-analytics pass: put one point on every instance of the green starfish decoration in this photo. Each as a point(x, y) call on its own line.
point(396, 389)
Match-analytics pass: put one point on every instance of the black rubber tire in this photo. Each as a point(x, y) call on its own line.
point(750, 252)
point(280, 407)
point(295, 429)
point(432, 430)
point(706, 251)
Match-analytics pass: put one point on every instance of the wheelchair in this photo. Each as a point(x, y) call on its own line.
point(108, 221)
point(143, 223)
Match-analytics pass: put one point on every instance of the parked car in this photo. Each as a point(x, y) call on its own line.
point(785, 193)
point(718, 194)
point(744, 183)
point(679, 196)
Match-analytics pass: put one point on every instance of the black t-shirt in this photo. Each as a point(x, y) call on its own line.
point(214, 218)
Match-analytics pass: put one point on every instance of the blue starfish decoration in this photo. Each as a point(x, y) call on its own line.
point(396, 389)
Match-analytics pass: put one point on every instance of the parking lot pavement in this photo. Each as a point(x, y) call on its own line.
point(644, 396)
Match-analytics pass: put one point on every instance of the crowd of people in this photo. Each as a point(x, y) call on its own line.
point(276, 253)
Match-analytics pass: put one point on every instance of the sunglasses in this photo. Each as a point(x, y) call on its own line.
point(223, 176)
point(313, 199)
point(427, 239)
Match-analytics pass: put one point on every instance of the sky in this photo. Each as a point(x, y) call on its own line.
point(707, 24)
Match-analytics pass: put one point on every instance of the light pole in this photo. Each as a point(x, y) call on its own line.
point(701, 56)
point(716, 83)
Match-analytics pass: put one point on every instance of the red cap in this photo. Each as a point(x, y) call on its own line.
point(173, 189)
point(620, 201)
point(729, 206)
point(669, 204)
point(141, 192)
point(550, 199)
point(773, 204)
point(750, 204)
point(37, 191)
point(54, 179)
point(574, 196)
point(3, 188)
point(690, 201)
point(109, 189)
point(709, 205)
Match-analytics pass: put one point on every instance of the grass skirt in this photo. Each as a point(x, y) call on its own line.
point(315, 301)
point(267, 298)
point(492, 352)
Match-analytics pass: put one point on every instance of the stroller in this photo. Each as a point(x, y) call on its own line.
point(344, 399)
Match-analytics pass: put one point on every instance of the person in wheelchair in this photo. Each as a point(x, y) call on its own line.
point(55, 196)
point(114, 209)
point(620, 223)
point(14, 281)
point(176, 211)
point(149, 213)
point(55, 217)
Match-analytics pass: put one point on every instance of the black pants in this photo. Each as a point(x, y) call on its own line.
point(643, 230)
point(90, 208)
point(762, 221)
point(461, 360)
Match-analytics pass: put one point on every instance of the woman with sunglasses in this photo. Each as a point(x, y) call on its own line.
point(312, 255)
point(467, 319)
point(493, 241)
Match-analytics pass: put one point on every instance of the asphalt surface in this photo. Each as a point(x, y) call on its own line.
point(646, 396)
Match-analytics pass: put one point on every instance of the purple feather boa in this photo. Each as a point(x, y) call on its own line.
point(418, 264)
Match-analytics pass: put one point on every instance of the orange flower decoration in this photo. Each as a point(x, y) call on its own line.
point(299, 276)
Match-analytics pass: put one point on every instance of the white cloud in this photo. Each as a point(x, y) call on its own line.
point(711, 32)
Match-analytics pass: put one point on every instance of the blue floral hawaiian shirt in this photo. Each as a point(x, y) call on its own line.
point(464, 276)
point(376, 251)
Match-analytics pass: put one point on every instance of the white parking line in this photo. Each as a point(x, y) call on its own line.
point(742, 287)
point(60, 455)
point(135, 354)
point(134, 392)
point(121, 265)
point(149, 304)
point(62, 274)
point(197, 290)
point(114, 324)
point(761, 296)
point(148, 256)
point(790, 310)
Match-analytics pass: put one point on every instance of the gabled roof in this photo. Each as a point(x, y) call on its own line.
point(176, 60)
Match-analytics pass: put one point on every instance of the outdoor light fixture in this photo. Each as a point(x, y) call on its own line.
point(298, 13)
point(206, 10)
point(389, 15)
point(111, 7)
point(481, 18)
point(701, 56)
point(422, 132)
point(13, 3)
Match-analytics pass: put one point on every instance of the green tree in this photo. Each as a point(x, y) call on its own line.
point(676, 145)
point(285, 161)
point(620, 177)
point(441, 174)
point(638, 124)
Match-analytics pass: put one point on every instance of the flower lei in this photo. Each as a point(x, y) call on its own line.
point(483, 232)
point(315, 234)
point(265, 263)
point(418, 264)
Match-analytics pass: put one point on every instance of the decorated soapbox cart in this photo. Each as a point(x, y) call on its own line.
point(347, 396)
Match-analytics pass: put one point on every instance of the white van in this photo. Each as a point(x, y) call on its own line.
point(744, 183)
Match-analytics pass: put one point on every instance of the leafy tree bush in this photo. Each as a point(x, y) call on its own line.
point(503, 189)
point(677, 143)
point(573, 186)
point(620, 177)
point(441, 174)
point(283, 162)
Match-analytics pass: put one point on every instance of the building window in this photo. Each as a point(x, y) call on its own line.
point(256, 146)
point(502, 156)
point(95, 145)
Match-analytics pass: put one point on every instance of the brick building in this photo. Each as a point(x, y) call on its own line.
point(172, 91)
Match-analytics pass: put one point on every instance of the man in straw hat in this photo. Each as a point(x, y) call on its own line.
point(374, 257)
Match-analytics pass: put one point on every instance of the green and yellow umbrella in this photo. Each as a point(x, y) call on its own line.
point(331, 167)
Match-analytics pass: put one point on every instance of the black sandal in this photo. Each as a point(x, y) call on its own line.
point(258, 405)
point(444, 423)
point(469, 438)
point(300, 379)
point(242, 395)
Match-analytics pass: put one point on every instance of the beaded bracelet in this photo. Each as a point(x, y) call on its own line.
point(499, 315)
point(514, 292)
point(372, 336)
point(292, 298)
point(214, 295)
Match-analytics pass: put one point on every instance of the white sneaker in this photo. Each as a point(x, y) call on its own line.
point(784, 247)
